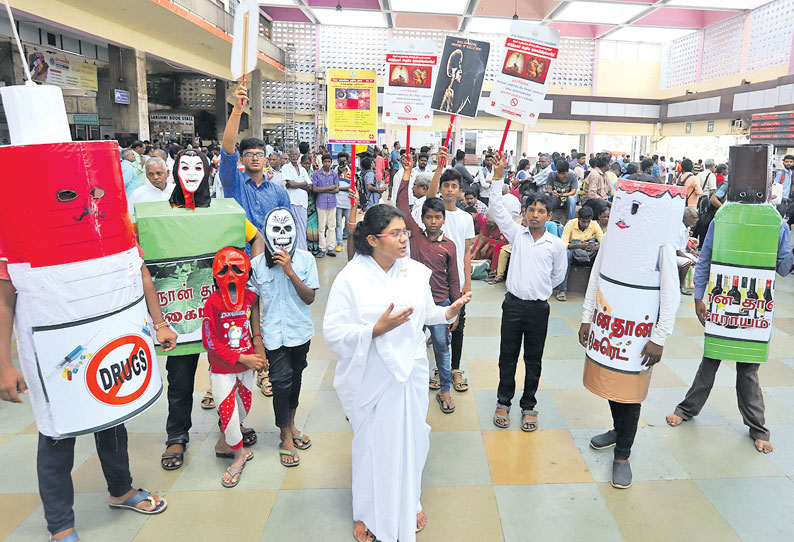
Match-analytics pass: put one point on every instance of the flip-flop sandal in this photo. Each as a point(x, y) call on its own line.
point(528, 426)
point(249, 436)
point(369, 536)
point(208, 402)
point(142, 495)
point(561, 297)
point(435, 383)
point(230, 455)
point(178, 456)
point(299, 443)
point(441, 401)
point(233, 471)
point(267, 389)
point(283, 453)
point(462, 384)
point(501, 421)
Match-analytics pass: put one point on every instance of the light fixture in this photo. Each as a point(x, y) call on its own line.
point(451, 7)
point(598, 12)
point(515, 11)
point(350, 17)
point(339, 6)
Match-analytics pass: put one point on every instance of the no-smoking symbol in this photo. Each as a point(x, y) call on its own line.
point(513, 102)
point(407, 108)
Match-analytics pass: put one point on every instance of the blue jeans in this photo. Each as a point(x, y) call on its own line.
point(570, 204)
point(342, 216)
point(564, 286)
point(441, 338)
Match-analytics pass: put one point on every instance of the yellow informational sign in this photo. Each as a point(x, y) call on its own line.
point(62, 69)
point(352, 107)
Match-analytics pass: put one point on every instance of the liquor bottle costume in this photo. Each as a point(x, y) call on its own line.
point(81, 322)
point(180, 238)
point(644, 228)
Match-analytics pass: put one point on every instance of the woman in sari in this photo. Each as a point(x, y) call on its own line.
point(312, 224)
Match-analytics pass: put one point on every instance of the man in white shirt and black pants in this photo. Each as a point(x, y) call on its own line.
point(484, 177)
point(538, 264)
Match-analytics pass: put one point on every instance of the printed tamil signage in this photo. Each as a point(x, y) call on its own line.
point(352, 107)
point(407, 93)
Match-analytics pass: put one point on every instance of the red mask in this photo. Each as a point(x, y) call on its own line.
point(230, 269)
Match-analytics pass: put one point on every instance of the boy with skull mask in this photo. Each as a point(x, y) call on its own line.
point(286, 280)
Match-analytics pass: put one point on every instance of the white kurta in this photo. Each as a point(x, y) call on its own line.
point(382, 384)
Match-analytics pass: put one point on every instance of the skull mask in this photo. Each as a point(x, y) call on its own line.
point(231, 268)
point(280, 231)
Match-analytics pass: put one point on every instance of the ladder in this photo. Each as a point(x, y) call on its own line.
point(289, 133)
point(320, 108)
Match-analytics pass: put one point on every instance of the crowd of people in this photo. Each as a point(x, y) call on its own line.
point(417, 226)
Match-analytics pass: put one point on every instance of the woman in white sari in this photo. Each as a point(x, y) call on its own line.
point(377, 308)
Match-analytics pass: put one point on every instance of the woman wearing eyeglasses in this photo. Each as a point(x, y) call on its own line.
point(377, 309)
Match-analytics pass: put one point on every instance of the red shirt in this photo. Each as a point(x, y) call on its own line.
point(227, 334)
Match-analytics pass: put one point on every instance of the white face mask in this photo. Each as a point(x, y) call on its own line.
point(191, 172)
point(280, 231)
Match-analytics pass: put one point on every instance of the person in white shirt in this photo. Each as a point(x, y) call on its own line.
point(538, 263)
point(268, 149)
point(484, 176)
point(156, 188)
point(511, 203)
point(707, 177)
point(398, 175)
point(274, 160)
point(298, 185)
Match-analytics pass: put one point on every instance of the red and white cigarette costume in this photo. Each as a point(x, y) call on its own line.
point(81, 322)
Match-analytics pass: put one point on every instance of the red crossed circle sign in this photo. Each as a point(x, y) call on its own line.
point(126, 360)
point(513, 102)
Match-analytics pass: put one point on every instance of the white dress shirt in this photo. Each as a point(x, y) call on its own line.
point(148, 192)
point(484, 178)
point(297, 196)
point(536, 267)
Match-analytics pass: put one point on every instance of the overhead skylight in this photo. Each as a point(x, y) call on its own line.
point(599, 12)
point(489, 25)
point(648, 34)
point(717, 4)
point(266, 3)
point(447, 7)
point(350, 17)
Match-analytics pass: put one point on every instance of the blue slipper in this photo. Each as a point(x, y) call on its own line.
point(71, 537)
point(142, 495)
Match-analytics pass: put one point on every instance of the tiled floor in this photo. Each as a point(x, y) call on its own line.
point(701, 481)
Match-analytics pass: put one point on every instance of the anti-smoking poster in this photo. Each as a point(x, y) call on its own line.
point(411, 66)
point(530, 55)
point(461, 74)
point(352, 107)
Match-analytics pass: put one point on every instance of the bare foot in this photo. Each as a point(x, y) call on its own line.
point(221, 447)
point(763, 446)
point(145, 504)
point(361, 532)
point(421, 521)
point(674, 419)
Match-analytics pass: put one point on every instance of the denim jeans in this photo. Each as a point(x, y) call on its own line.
point(342, 216)
point(569, 204)
point(441, 339)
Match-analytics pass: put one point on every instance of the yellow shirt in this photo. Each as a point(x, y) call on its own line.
point(572, 233)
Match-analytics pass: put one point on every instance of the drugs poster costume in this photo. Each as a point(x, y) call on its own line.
point(740, 300)
point(525, 72)
point(82, 328)
point(461, 74)
point(624, 295)
point(411, 66)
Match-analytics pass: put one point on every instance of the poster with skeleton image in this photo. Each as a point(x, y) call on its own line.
point(461, 74)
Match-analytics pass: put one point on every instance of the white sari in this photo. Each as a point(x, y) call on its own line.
point(382, 384)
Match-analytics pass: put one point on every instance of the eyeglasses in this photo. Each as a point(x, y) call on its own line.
point(396, 234)
point(253, 155)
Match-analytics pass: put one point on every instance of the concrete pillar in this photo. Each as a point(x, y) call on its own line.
point(524, 140)
point(221, 114)
point(255, 97)
point(128, 72)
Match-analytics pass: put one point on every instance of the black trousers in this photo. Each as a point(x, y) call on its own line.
point(181, 375)
point(625, 416)
point(286, 371)
point(527, 320)
point(457, 341)
point(54, 468)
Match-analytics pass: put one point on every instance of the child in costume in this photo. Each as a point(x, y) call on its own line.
point(285, 278)
point(226, 334)
point(82, 305)
point(630, 307)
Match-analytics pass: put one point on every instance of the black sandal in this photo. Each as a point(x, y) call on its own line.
point(178, 457)
point(249, 436)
